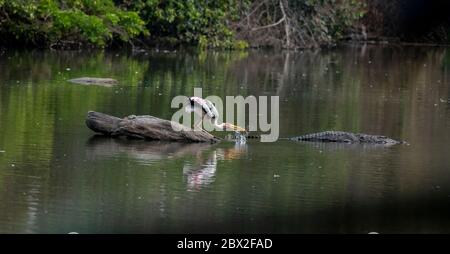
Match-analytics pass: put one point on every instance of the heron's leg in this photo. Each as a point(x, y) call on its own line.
point(198, 125)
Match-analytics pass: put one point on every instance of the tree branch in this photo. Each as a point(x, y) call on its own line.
point(286, 25)
point(269, 26)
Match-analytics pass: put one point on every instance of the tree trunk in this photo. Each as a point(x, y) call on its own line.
point(145, 127)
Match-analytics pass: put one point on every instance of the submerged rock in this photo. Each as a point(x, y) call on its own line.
point(94, 81)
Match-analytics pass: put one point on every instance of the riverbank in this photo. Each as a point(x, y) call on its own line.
point(233, 24)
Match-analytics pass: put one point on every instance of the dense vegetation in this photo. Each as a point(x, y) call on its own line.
point(219, 23)
point(206, 23)
point(290, 24)
point(102, 22)
point(52, 22)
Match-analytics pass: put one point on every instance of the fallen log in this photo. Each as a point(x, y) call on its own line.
point(145, 127)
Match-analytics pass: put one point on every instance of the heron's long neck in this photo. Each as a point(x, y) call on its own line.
point(217, 125)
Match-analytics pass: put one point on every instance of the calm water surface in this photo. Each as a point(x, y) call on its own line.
point(57, 177)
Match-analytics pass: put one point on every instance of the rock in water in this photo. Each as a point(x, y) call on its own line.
point(94, 81)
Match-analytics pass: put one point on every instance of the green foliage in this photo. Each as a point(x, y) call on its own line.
point(82, 21)
point(346, 14)
point(328, 20)
point(201, 22)
point(206, 23)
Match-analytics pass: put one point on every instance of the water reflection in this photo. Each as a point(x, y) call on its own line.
point(143, 151)
point(200, 159)
point(202, 172)
point(335, 146)
point(55, 178)
point(198, 176)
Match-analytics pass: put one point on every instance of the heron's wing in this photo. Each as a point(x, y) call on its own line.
point(197, 100)
point(210, 109)
point(207, 106)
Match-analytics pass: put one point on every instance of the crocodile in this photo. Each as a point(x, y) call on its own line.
point(343, 137)
point(346, 137)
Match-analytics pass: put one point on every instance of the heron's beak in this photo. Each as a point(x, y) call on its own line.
point(237, 128)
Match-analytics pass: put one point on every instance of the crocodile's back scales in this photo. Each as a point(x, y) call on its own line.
point(345, 137)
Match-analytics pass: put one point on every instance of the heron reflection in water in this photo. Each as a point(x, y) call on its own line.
point(203, 171)
point(198, 173)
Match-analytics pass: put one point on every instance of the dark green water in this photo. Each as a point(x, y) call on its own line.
point(56, 177)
